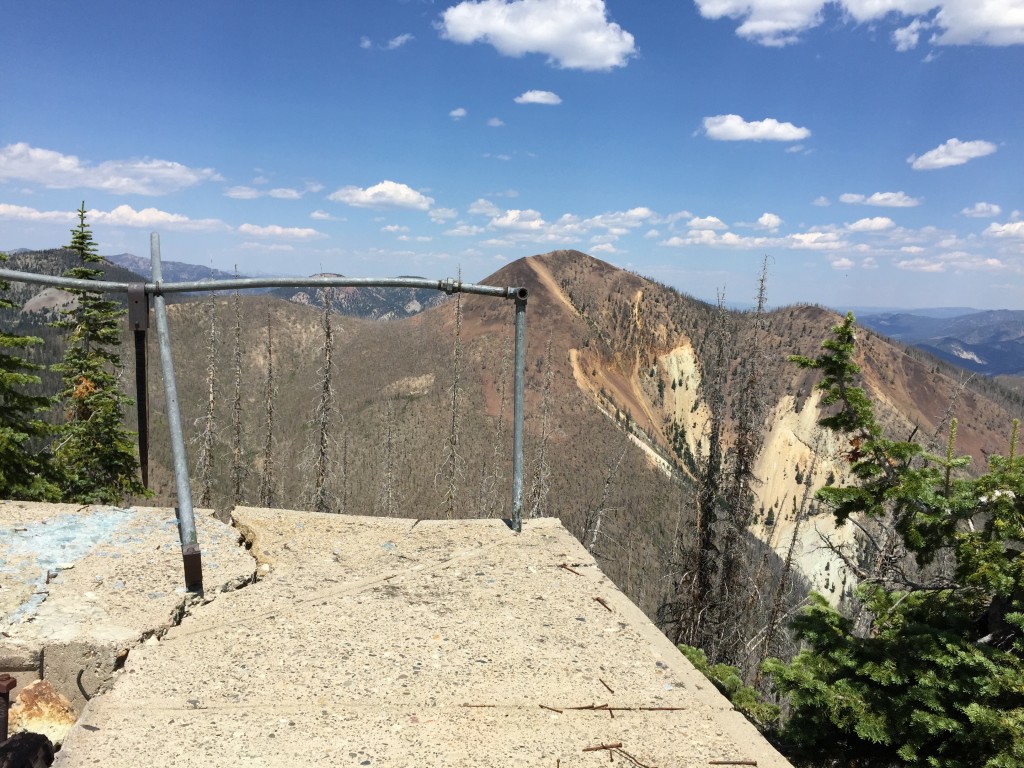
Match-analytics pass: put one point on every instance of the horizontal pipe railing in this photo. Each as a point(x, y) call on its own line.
point(157, 289)
point(242, 283)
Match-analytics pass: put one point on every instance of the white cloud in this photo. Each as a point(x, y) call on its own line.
point(706, 222)
point(912, 249)
point(495, 122)
point(982, 211)
point(874, 224)
point(458, 113)
point(1012, 229)
point(815, 241)
point(365, 43)
point(319, 215)
point(842, 263)
point(603, 248)
point(387, 194)
point(23, 213)
point(538, 97)
point(519, 219)
point(905, 38)
point(957, 22)
point(121, 216)
point(822, 202)
point(953, 152)
point(735, 128)
point(399, 41)
point(249, 245)
point(394, 228)
point(881, 199)
point(573, 34)
point(921, 265)
point(274, 230)
point(126, 216)
point(483, 207)
point(440, 215)
point(464, 230)
point(242, 193)
point(54, 170)
point(769, 221)
point(278, 193)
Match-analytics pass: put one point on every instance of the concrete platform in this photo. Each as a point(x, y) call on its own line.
point(81, 585)
point(385, 642)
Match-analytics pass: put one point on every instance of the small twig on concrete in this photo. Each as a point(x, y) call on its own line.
point(605, 685)
point(480, 706)
point(732, 762)
point(602, 602)
point(570, 570)
point(550, 709)
point(632, 759)
point(599, 747)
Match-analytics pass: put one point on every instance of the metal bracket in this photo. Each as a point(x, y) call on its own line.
point(138, 307)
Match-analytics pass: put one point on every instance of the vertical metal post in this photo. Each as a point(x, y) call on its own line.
point(138, 320)
point(190, 553)
point(517, 412)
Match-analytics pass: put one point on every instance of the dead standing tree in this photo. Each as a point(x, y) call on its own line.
point(541, 484)
point(207, 434)
point(238, 468)
point(491, 500)
point(389, 500)
point(452, 469)
point(268, 481)
point(322, 499)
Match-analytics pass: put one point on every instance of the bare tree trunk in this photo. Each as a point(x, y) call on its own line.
point(268, 481)
point(207, 437)
point(238, 471)
point(491, 501)
point(596, 517)
point(389, 498)
point(541, 484)
point(713, 385)
point(451, 470)
point(749, 410)
point(322, 501)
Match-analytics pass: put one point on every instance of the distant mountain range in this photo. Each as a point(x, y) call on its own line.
point(989, 342)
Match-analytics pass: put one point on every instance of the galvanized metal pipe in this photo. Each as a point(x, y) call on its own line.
point(241, 283)
point(517, 412)
point(190, 552)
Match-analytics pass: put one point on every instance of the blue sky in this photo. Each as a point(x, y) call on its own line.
point(872, 148)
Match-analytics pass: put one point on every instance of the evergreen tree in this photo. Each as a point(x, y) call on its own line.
point(24, 464)
point(95, 453)
point(932, 671)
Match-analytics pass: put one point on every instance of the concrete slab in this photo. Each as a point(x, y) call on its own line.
point(81, 585)
point(385, 642)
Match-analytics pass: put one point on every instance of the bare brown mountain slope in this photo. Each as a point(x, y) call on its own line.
point(610, 448)
point(645, 349)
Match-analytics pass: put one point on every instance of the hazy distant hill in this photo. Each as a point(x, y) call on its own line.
point(373, 303)
point(990, 342)
point(173, 271)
